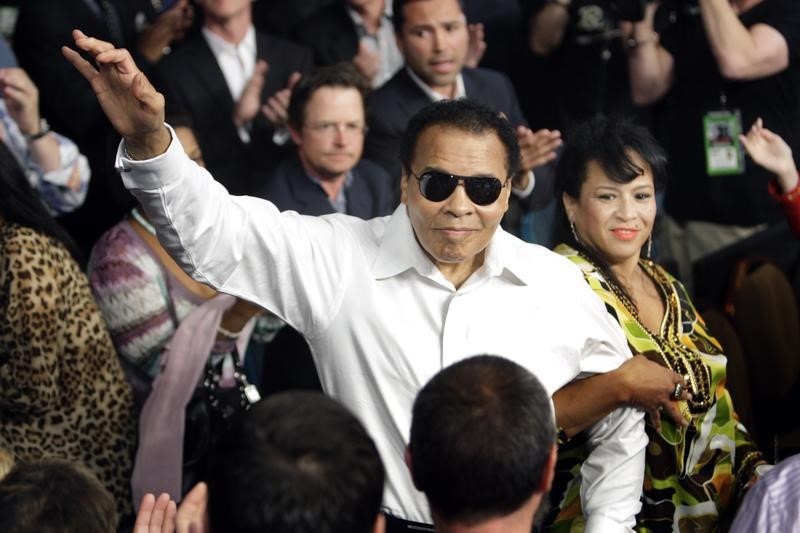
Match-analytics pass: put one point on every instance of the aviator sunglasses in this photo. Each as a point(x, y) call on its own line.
point(437, 186)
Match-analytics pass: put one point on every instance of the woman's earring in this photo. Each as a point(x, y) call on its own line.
point(649, 251)
point(574, 233)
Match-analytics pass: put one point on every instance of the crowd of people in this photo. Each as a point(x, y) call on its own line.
point(480, 264)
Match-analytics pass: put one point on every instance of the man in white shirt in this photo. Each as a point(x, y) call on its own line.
point(387, 303)
point(234, 83)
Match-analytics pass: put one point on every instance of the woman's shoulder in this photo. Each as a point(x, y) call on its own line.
point(27, 244)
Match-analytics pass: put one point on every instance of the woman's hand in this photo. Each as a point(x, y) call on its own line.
point(771, 152)
point(651, 386)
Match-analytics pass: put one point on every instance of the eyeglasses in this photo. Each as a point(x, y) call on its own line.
point(437, 186)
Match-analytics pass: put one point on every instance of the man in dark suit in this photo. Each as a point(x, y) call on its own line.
point(327, 175)
point(234, 83)
point(68, 102)
point(360, 31)
point(433, 37)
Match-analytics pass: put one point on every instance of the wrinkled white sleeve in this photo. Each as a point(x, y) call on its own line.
point(293, 265)
point(613, 474)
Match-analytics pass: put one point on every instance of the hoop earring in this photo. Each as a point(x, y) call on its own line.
point(574, 233)
point(649, 251)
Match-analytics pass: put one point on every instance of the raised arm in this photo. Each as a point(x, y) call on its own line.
point(650, 66)
point(742, 53)
point(294, 266)
point(548, 26)
point(129, 100)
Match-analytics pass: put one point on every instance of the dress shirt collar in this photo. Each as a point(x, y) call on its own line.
point(339, 203)
point(219, 45)
point(400, 251)
point(358, 20)
point(433, 95)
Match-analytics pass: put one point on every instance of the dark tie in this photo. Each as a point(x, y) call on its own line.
point(109, 14)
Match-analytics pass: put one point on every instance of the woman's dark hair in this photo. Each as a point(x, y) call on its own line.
point(21, 204)
point(614, 143)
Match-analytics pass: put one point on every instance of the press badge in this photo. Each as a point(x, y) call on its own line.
point(724, 152)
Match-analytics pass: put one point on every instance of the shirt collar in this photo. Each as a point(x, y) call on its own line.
point(358, 20)
point(340, 202)
point(219, 45)
point(400, 251)
point(434, 96)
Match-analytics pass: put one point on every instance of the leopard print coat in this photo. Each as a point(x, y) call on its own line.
point(62, 391)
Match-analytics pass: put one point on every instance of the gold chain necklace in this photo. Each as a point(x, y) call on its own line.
point(676, 356)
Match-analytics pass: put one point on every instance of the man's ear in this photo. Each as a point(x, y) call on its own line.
point(410, 465)
point(549, 470)
point(295, 135)
point(404, 192)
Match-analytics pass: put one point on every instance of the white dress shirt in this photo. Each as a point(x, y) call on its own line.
point(381, 319)
point(237, 63)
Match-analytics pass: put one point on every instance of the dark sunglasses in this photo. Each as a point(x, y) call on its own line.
point(437, 186)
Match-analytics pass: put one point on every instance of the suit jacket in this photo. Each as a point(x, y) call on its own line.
point(369, 195)
point(69, 104)
point(391, 107)
point(330, 34)
point(193, 83)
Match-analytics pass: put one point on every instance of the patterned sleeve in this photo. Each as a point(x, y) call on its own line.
point(32, 337)
point(57, 188)
point(130, 289)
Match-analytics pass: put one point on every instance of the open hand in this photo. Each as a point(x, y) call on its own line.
point(155, 515)
point(538, 148)
point(249, 102)
point(129, 100)
point(771, 152)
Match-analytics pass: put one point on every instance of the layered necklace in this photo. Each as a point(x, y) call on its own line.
point(676, 356)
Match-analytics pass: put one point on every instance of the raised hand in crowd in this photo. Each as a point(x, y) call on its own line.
point(169, 27)
point(277, 107)
point(22, 103)
point(476, 46)
point(249, 102)
point(155, 515)
point(771, 152)
point(160, 515)
point(129, 100)
point(537, 147)
point(367, 61)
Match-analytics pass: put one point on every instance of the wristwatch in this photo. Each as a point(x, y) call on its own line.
point(44, 129)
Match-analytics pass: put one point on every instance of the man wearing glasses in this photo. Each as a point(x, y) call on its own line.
point(326, 174)
point(387, 303)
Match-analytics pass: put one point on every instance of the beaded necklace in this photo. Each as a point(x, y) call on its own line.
point(676, 356)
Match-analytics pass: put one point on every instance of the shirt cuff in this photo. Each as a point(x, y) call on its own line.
point(153, 173)
point(524, 193)
point(280, 137)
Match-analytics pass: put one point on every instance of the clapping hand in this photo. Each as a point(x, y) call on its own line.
point(476, 45)
point(21, 97)
point(277, 107)
point(538, 148)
